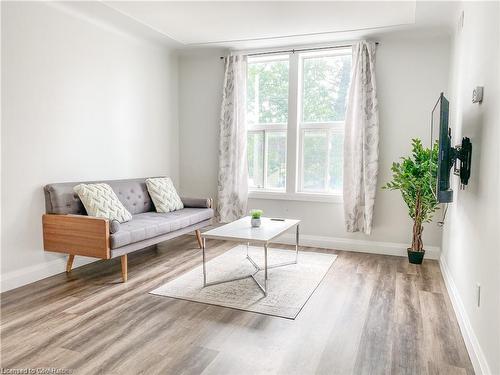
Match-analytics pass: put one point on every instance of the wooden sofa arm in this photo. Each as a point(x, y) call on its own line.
point(76, 235)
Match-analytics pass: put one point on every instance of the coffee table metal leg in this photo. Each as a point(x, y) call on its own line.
point(204, 262)
point(263, 288)
point(295, 261)
point(265, 269)
point(265, 261)
point(297, 244)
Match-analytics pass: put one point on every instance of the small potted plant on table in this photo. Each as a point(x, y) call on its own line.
point(256, 214)
point(415, 178)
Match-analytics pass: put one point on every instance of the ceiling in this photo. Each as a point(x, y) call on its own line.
point(258, 24)
point(200, 23)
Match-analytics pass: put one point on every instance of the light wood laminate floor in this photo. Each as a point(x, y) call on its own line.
point(372, 314)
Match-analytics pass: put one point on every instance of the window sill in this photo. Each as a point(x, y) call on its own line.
point(306, 197)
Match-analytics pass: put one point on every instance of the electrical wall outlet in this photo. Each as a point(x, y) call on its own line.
point(477, 94)
point(478, 294)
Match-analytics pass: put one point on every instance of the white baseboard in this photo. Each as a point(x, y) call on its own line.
point(27, 275)
point(364, 246)
point(476, 354)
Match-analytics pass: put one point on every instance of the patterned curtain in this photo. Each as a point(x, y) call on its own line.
point(233, 173)
point(361, 141)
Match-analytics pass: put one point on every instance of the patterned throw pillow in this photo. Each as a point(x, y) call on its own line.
point(101, 201)
point(163, 194)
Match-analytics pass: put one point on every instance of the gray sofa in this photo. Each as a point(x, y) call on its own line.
point(68, 229)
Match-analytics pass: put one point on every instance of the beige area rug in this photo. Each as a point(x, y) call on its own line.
point(289, 287)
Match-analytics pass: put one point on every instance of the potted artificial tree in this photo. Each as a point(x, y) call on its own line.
point(415, 177)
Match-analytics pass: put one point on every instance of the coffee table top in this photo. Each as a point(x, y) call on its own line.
point(241, 230)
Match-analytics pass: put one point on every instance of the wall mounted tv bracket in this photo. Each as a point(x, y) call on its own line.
point(461, 159)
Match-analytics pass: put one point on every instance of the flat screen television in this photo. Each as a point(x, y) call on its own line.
point(448, 155)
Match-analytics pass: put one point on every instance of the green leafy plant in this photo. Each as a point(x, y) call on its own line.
point(415, 177)
point(256, 214)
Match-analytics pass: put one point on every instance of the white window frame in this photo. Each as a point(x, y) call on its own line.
point(295, 132)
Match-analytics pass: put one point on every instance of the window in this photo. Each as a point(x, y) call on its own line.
point(295, 117)
point(267, 118)
point(324, 86)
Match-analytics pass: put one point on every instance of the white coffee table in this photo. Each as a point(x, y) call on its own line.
point(242, 231)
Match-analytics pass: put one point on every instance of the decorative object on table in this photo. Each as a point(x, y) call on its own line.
point(256, 215)
point(415, 177)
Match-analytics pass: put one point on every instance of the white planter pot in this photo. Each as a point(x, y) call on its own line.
point(255, 223)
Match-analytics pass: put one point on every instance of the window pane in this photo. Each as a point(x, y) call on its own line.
point(325, 87)
point(315, 154)
point(255, 155)
point(267, 91)
point(276, 160)
point(336, 160)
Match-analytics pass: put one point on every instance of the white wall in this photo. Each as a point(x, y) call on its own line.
point(201, 73)
point(410, 75)
point(80, 101)
point(471, 245)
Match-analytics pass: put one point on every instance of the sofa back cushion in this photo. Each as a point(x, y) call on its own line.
point(133, 193)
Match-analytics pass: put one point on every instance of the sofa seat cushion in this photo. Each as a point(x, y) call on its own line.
point(151, 224)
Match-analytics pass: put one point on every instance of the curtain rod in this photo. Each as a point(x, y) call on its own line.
point(297, 50)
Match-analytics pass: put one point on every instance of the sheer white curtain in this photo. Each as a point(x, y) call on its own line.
point(361, 141)
point(233, 173)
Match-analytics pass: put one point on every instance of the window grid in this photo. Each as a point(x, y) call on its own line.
point(261, 129)
point(266, 129)
point(296, 128)
point(330, 130)
point(330, 127)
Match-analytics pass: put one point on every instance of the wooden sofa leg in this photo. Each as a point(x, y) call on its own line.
point(198, 237)
point(71, 257)
point(124, 267)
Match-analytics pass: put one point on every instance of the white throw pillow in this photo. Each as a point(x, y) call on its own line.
point(163, 194)
point(101, 201)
